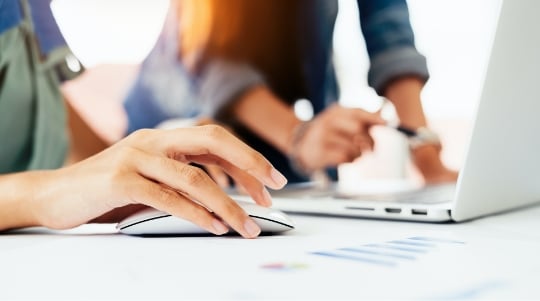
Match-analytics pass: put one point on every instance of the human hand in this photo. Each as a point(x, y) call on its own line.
point(150, 167)
point(335, 136)
point(215, 172)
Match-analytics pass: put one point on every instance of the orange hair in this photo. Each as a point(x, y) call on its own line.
point(209, 25)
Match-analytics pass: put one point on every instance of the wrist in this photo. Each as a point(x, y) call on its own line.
point(294, 151)
point(425, 147)
point(405, 95)
point(296, 131)
point(59, 200)
point(423, 136)
point(427, 159)
point(419, 137)
point(21, 202)
point(38, 203)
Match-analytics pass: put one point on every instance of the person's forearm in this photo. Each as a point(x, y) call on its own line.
point(404, 93)
point(267, 116)
point(19, 197)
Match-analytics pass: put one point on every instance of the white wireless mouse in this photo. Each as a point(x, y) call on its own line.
point(151, 221)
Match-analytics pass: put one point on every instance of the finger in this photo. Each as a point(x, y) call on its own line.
point(217, 174)
point(332, 155)
point(341, 141)
point(212, 139)
point(314, 154)
point(338, 156)
point(165, 199)
point(350, 125)
point(332, 158)
point(342, 144)
point(347, 126)
point(197, 185)
point(364, 142)
point(241, 189)
point(251, 185)
point(366, 117)
point(361, 141)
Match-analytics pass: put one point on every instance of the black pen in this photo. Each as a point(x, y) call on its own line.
point(406, 131)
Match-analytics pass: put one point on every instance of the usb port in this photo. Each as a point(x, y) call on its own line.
point(393, 210)
point(419, 211)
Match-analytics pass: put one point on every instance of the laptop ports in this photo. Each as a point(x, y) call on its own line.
point(419, 211)
point(392, 210)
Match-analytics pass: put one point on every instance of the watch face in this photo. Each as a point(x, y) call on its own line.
point(424, 136)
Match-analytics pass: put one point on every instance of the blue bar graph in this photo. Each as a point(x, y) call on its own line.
point(354, 258)
point(389, 253)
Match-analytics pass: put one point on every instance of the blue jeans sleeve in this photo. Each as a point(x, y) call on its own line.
point(390, 42)
point(47, 32)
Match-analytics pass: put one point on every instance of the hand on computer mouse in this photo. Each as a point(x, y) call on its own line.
point(215, 172)
point(150, 222)
point(151, 167)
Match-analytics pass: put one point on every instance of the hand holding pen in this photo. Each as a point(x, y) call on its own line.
point(337, 135)
point(341, 135)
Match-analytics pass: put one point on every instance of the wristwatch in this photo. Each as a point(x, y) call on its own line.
point(419, 137)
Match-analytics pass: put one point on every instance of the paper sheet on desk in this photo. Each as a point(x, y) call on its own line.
point(387, 262)
point(415, 267)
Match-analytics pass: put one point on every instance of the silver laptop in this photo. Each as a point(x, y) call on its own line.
point(502, 165)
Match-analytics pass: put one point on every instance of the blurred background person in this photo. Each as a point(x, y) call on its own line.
point(244, 63)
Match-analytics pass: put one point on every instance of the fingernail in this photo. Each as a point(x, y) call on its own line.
point(266, 196)
point(278, 178)
point(252, 229)
point(219, 227)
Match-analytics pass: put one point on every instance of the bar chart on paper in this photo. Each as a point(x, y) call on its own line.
point(389, 253)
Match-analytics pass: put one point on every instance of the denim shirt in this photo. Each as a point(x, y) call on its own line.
point(166, 89)
point(46, 31)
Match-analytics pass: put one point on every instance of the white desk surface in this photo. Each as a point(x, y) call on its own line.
point(324, 258)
